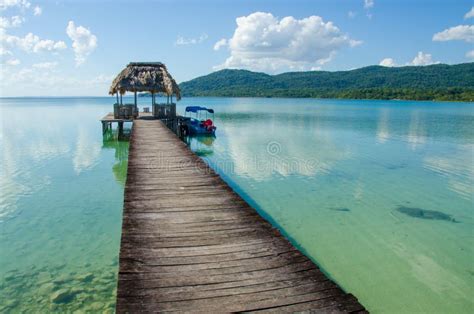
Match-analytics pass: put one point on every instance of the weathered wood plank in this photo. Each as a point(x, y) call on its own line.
point(190, 243)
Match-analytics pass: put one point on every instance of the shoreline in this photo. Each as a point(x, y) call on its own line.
point(236, 97)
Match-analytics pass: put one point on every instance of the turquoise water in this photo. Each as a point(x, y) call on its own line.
point(379, 194)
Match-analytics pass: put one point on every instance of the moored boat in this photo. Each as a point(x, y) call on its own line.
point(199, 125)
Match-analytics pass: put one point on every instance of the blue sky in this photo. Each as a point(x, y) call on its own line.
point(62, 48)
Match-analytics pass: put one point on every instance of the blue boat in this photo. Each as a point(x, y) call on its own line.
point(199, 124)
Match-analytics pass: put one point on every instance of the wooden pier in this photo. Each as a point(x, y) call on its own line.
point(191, 244)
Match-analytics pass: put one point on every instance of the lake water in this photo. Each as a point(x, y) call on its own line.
point(378, 193)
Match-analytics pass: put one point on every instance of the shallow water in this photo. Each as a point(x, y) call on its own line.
point(379, 194)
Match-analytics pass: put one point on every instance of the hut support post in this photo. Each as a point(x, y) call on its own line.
point(121, 99)
point(136, 105)
point(117, 97)
point(120, 129)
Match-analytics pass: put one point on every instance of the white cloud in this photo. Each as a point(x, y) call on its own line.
point(388, 62)
point(37, 11)
point(180, 41)
point(22, 4)
point(221, 43)
point(101, 79)
point(45, 65)
point(423, 59)
point(49, 45)
point(5, 52)
point(470, 54)
point(83, 42)
point(460, 32)
point(420, 59)
point(47, 79)
point(13, 21)
point(368, 4)
point(351, 14)
point(30, 43)
point(469, 14)
point(355, 43)
point(13, 62)
point(263, 42)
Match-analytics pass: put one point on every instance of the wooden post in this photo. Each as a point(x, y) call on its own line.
point(120, 129)
point(136, 106)
point(117, 97)
point(121, 103)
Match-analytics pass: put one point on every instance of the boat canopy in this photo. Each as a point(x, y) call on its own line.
point(195, 109)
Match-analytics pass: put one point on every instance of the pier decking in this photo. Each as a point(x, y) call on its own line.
point(189, 243)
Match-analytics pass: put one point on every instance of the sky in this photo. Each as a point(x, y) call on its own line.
point(76, 48)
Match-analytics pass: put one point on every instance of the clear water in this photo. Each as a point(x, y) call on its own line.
point(379, 194)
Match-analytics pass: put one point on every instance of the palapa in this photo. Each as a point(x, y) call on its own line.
point(150, 77)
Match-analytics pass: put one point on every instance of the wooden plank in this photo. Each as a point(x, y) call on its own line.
point(190, 243)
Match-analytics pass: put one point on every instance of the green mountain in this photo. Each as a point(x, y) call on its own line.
point(433, 82)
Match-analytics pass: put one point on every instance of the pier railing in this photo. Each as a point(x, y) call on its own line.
point(126, 111)
point(164, 111)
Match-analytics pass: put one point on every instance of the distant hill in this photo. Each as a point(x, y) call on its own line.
point(433, 82)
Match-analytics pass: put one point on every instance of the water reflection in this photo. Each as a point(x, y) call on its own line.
point(87, 151)
point(201, 144)
point(119, 168)
point(417, 132)
point(382, 128)
point(359, 198)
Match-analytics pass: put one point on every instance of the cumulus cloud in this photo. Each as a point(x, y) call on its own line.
point(37, 11)
point(83, 42)
point(49, 45)
point(264, 42)
point(423, 59)
point(47, 78)
point(221, 43)
point(30, 42)
point(368, 4)
point(420, 59)
point(469, 14)
point(388, 62)
point(460, 32)
point(13, 21)
point(470, 54)
point(13, 62)
point(181, 41)
point(45, 65)
point(22, 4)
point(5, 52)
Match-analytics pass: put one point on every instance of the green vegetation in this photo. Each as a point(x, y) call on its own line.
point(434, 82)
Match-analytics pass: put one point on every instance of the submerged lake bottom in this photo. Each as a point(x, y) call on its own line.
point(378, 193)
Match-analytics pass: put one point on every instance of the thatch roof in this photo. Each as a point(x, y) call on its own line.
point(150, 77)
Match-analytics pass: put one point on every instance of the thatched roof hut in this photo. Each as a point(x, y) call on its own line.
point(150, 77)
